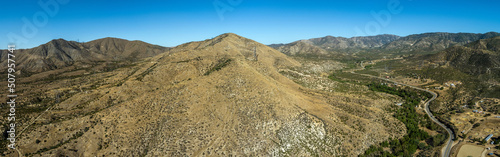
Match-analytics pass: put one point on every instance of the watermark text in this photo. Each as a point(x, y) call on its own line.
point(381, 20)
point(222, 6)
point(11, 86)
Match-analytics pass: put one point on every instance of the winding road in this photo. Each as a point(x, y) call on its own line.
point(449, 142)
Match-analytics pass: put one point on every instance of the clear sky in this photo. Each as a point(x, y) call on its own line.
point(27, 24)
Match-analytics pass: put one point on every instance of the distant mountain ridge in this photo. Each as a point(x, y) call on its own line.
point(299, 47)
point(418, 43)
point(436, 41)
point(330, 42)
point(61, 53)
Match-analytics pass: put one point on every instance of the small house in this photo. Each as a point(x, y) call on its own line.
point(488, 137)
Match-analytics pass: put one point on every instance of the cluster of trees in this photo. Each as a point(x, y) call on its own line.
point(404, 93)
point(407, 114)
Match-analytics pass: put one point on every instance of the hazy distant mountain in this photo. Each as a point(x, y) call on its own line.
point(435, 41)
point(418, 43)
point(275, 46)
point(302, 47)
point(60, 53)
point(473, 58)
point(330, 42)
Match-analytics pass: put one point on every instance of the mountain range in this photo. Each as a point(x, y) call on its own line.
point(60, 53)
point(219, 97)
point(418, 43)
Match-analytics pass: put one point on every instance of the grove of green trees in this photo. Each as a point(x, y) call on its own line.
point(415, 138)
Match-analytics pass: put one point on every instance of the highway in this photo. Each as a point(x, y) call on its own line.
point(450, 139)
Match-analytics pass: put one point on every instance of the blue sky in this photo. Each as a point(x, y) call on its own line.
point(170, 23)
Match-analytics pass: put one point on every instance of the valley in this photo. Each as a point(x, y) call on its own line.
point(459, 90)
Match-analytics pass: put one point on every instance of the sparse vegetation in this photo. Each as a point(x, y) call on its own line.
point(220, 64)
point(146, 72)
point(75, 136)
point(243, 106)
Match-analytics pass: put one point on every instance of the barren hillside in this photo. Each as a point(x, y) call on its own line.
point(60, 53)
point(219, 97)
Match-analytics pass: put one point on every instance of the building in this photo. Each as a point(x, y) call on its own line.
point(488, 137)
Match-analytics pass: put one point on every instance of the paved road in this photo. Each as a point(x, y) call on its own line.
point(449, 143)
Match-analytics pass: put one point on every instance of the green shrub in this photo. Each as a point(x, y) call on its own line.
point(221, 64)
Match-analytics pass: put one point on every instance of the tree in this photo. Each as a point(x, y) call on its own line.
point(385, 144)
point(483, 142)
point(422, 146)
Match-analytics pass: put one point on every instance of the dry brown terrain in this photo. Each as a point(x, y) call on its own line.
point(210, 98)
point(470, 150)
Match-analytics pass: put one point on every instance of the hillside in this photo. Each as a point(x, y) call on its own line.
point(60, 53)
point(219, 97)
point(479, 57)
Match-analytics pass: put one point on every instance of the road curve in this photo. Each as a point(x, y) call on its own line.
point(427, 110)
